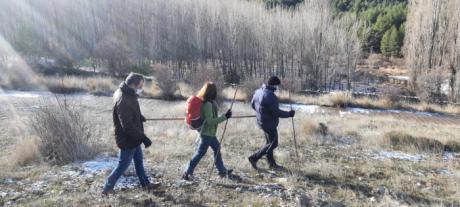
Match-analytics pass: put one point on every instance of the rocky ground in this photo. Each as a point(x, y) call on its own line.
point(349, 165)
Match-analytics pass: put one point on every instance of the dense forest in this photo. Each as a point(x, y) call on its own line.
point(382, 26)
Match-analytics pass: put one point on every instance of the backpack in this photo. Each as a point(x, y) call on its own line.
point(193, 113)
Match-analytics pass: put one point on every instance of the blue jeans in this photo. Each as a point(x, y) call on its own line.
point(205, 143)
point(125, 157)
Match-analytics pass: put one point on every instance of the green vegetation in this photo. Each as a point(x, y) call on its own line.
point(383, 23)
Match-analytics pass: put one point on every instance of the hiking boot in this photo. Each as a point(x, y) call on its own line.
point(226, 173)
point(276, 167)
point(105, 193)
point(187, 177)
point(253, 162)
point(151, 186)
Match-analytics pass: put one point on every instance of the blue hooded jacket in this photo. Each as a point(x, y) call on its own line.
point(266, 105)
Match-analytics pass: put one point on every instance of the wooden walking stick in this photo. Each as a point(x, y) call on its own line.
point(225, 128)
point(293, 128)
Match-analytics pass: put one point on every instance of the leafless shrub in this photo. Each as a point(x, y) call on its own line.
point(165, 81)
point(64, 134)
point(340, 100)
point(452, 146)
point(250, 86)
point(430, 85)
point(115, 52)
point(391, 93)
point(207, 73)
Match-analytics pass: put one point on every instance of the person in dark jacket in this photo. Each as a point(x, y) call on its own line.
point(266, 105)
point(129, 132)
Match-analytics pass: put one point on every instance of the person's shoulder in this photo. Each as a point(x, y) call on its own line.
point(207, 104)
point(268, 93)
point(124, 100)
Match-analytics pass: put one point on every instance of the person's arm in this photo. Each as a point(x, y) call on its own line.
point(143, 118)
point(253, 102)
point(126, 120)
point(209, 116)
point(273, 107)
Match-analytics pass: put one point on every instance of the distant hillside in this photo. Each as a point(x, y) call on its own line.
point(383, 21)
point(383, 26)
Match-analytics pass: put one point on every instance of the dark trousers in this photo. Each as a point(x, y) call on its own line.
point(271, 136)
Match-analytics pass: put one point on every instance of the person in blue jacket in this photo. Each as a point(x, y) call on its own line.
point(266, 105)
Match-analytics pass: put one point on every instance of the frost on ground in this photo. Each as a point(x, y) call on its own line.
point(450, 156)
point(103, 165)
point(309, 109)
point(22, 94)
point(356, 110)
point(385, 154)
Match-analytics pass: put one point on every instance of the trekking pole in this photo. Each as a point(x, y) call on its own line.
point(181, 119)
point(293, 128)
point(225, 128)
point(165, 119)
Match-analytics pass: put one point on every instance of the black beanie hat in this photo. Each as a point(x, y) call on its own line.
point(274, 81)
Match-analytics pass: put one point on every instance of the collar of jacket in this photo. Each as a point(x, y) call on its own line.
point(127, 90)
point(269, 87)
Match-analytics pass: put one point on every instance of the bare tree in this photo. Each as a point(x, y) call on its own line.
point(432, 45)
point(241, 40)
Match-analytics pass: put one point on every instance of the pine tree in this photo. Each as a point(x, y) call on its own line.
point(394, 42)
point(385, 44)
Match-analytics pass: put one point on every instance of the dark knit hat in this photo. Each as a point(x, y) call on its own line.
point(274, 81)
point(134, 78)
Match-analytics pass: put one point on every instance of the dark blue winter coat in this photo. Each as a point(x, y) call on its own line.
point(265, 103)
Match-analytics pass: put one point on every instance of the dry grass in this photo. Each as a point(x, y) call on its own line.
point(241, 95)
point(328, 172)
point(74, 84)
point(452, 146)
point(26, 152)
point(406, 142)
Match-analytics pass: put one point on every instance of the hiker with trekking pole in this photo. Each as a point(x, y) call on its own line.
point(266, 105)
point(202, 116)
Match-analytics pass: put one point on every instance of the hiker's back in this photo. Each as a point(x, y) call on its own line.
point(126, 109)
point(264, 101)
point(211, 120)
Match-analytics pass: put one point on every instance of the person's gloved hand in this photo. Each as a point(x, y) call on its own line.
point(147, 142)
point(292, 113)
point(228, 115)
point(143, 119)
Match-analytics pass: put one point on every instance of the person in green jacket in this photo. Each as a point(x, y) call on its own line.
point(208, 94)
